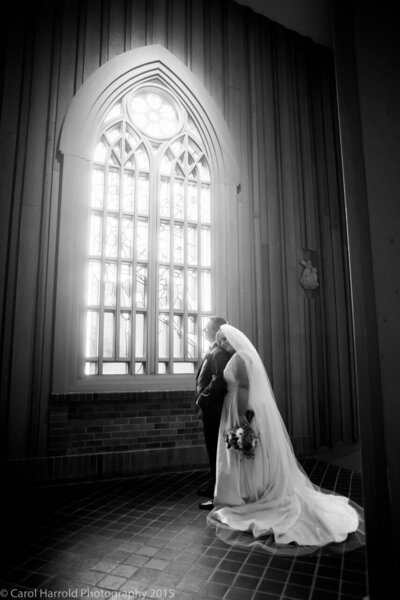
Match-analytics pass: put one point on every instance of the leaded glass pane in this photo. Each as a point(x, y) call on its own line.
point(125, 335)
point(100, 153)
point(143, 196)
point(154, 112)
point(92, 334)
point(164, 201)
point(91, 368)
point(131, 136)
point(142, 159)
point(206, 290)
point(127, 238)
point(108, 335)
point(178, 302)
point(182, 367)
point(141, 286)
point(167, 127)
point(192, 293)
point(97, 188)
point(178, 336)
point(94, 282)
point(192, 245)
point(139, 335)
point(96, 230)
point(111, 236)
point(118, 150)
point(115, 368)
point(110, 284)
point(205, 210)
point(177, 147)
point(163, 287)
point(113, 191)
point(205, 247)
point(178, 243)
point(113, 161)
point(178, 199)
point(129, 165)
point(126, 285)
point(204, 343)
point(178, 171)
point(163, 335)
point(164, 242)
point(191, 337)
point(114, 133)
point(128, 193)
point(166, 165)
point(204, 171)
point(192, 202)
point(142, 239)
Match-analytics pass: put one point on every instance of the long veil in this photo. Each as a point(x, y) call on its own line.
point(289, 507)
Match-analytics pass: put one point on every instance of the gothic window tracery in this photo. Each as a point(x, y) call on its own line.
point(149, 270)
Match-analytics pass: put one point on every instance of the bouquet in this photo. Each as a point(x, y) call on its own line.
point(242, 437)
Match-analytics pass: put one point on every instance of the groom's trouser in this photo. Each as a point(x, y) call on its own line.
point(211, 430)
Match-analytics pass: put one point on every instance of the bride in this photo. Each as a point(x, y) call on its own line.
point(267, 500)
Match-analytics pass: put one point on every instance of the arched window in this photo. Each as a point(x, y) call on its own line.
point(148, 186)
point(150, 239)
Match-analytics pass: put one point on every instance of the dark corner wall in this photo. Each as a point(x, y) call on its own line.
point(367, 57)
point(276, 91)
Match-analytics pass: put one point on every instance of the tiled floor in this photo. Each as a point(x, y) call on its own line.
point(144, 537)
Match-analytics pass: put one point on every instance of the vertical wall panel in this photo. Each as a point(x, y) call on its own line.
point(276, 93)
point(92, 37)
point(28, 297)
point(138, 23)
point(159, 20)
point(179, 32)
point(117, 28)
point(15, 84)
point(196, 49)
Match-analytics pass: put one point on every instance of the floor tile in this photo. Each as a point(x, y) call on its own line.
point(145, 533)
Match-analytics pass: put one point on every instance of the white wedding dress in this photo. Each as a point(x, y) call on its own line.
point(268, 501)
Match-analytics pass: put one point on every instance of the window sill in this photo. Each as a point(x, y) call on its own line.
point(129, 383)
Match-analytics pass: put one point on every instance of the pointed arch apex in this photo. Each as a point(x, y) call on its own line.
point(141, 66)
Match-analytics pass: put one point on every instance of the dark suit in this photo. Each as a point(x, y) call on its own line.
point(210, 393)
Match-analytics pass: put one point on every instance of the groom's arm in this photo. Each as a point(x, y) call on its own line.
point(216, 389)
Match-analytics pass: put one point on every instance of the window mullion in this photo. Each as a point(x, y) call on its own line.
point(152, 318)
point(134, 264)
point(118, 267)
point(102, 273)
point(185, 254)
point(171, 289)
point(200, 308)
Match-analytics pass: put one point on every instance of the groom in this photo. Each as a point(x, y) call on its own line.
point(210, 392)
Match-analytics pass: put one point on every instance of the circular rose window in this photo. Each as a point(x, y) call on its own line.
point(154, 112)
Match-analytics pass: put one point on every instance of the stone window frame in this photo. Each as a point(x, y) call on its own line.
point(78, 137)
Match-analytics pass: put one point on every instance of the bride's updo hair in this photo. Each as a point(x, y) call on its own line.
point(223, 331)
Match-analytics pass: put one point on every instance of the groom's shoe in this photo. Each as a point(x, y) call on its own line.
point(206, 490)
point(206, 504)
